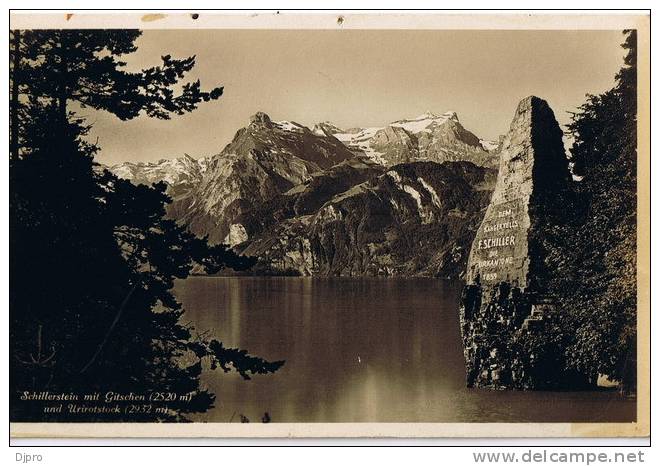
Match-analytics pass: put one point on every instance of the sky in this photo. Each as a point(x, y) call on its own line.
point(359, 78)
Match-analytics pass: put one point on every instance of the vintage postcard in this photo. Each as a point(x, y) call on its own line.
point(329, 225)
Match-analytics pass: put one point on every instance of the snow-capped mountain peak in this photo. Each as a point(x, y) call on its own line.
point(326, 128)
point(290, 126)
point(172, 171)
point(427, 114)
point(429, 136)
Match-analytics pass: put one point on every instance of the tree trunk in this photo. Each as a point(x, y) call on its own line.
point(16, 63)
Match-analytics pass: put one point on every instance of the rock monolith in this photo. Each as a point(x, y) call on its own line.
point(507, 305)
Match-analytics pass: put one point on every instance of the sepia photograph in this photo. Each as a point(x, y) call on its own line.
point(405, 225)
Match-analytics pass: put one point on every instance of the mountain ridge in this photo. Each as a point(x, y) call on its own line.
point(351, 137)
point(280, 179)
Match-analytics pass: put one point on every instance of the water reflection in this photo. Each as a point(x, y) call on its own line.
point(360, 350)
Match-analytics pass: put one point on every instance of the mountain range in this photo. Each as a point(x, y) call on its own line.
point(428, 137)
point(405, 198)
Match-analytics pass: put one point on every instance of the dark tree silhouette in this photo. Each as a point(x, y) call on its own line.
point(92, 257)
point(85, 66)
point(598, 268)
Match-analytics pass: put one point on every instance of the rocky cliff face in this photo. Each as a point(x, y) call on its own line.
point(265, 159)
point(413, 219)
point(429, 137)
point(510, 325)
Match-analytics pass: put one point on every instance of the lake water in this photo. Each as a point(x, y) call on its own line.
point(361, 350)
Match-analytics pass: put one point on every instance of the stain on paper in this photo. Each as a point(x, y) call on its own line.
point(153, 17)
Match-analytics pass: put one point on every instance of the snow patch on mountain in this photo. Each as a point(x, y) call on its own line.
point(361, 141)
point(424, 121)
point(488, 145)
point(423, 214)
point(290, 126)
point(434, 195)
